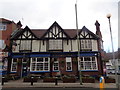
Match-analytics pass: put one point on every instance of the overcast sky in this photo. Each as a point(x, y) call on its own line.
point(40, 14)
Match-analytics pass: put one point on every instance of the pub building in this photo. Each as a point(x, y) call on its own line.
point(54, 51)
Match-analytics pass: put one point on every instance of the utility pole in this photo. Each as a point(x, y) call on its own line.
point(78, 58)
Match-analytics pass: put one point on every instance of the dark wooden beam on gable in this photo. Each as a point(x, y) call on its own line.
point(89, 33)
point(55, 24)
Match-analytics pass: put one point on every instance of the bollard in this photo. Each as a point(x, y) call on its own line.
point(31, 80)
point(56, 81)
point(3, 79)
point(102, 82)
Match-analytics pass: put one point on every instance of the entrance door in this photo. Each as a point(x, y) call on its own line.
point(24, 67)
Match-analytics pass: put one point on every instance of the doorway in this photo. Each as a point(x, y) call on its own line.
point(24, 67)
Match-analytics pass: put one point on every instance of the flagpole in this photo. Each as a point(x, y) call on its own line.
point(78, 58)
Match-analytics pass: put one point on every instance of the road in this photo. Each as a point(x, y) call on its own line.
point(56, 89)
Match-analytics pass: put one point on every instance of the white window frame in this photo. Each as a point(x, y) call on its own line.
point(68, 60)
point(25, 45)
point(13, 64)
point(83, 63)
point(3, 26)
point(86, 44)
point(55, 44)
point(2, 44)
point(101, 45)
point(56, 62)
point(42, 62)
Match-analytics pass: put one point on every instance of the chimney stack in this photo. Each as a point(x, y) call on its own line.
point(98, 32)
point(19, 25)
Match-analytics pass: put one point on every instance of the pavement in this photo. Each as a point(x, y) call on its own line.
point(39, 84)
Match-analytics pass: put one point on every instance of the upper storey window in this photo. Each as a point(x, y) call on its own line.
point(3, 26)
point(25, 45)
point(86, 45)
point(2, 44)
point(55, 44)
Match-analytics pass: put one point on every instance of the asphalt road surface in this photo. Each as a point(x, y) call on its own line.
point(56, 89)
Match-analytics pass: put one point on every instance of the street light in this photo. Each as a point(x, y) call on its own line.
point(115, 64)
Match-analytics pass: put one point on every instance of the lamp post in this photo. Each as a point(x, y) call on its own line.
point(78, 58)
point(115, 63)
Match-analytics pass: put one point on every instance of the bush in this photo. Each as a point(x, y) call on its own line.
point(68, 79)
point(109, 80)
point(29, 79)
point(88, 79)
point(49, 79)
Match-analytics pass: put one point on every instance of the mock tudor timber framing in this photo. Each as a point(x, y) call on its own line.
point(40, 44)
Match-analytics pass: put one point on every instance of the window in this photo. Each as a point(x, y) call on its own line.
point(56, 66)
point(2, 44)
point(14, 65)
point(2, 26)
point(88, 63)
point(40, 64)
point(25, 45)
point(55, 44)
point(5, 63)
point(101, 45)
point(68, 64)
point(86, 45)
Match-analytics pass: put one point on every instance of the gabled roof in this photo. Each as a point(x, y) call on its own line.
point(40, 33)
point(55, 24)
point(5, 20)
point(16, 33)
point(71, 32)
point(19, 32)
point(91, 33)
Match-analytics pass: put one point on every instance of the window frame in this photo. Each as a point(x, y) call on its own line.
point(2, 44)
point(91, 62)
point(25, 45)
point(12, 65)
point(3, 27)
point(68, 60)
point(56, 62)
point(55, 44)
point(86, 44)
point(42, 63)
